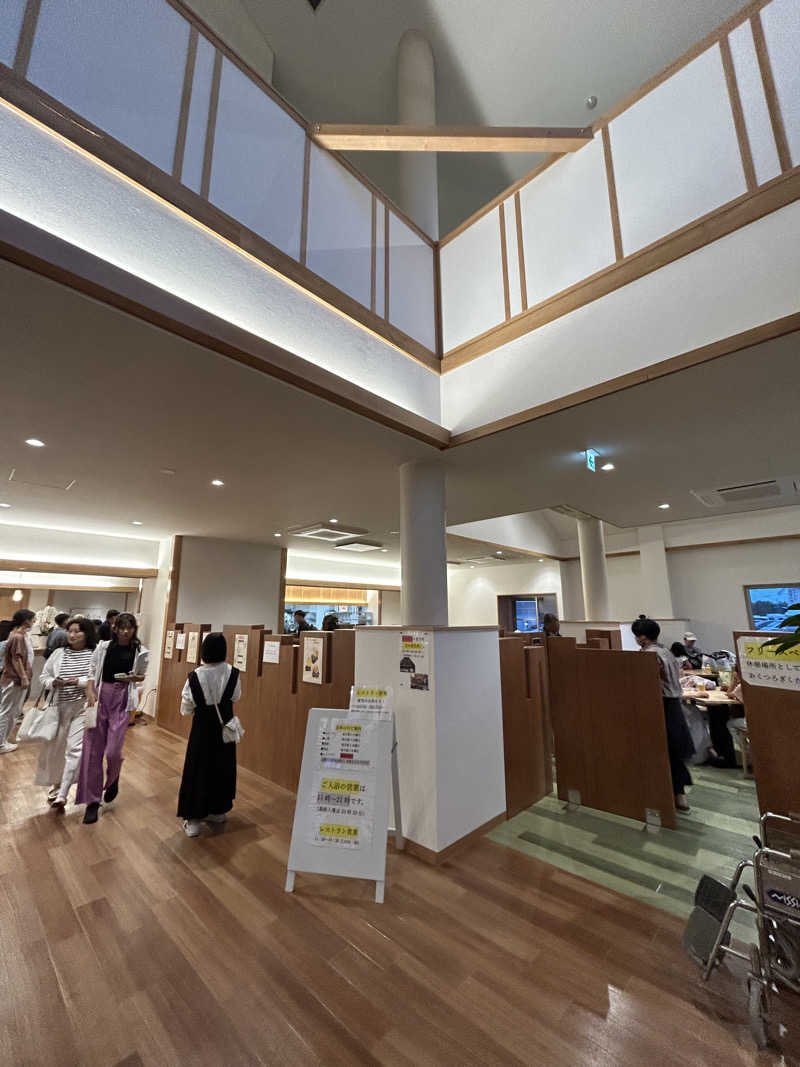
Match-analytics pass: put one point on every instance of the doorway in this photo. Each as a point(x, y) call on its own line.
point(523, 612)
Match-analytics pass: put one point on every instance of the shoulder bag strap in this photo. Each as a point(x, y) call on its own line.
point(197, 690)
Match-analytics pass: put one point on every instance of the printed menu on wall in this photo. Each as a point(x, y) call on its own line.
point(342, 798)
point(240, 651)
point(764, 666)
point(191, 648)
point(272, 652)
point(169, 644)
point(313, 653)
point(180, 641)
point(415, 659)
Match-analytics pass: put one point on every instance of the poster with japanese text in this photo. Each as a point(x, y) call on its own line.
point(169, 644)
point(313, 651)
point(371, 702)
point(240, 651)
point(192, 646)
point(415, 659)
point(180, 641)
point(764, 666)
point(272, 652)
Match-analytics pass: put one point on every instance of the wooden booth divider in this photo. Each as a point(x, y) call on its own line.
point(526, 725)
point(174, 673)
point(773, 725)
point(609, 731)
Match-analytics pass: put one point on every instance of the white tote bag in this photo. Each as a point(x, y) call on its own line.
point(39, 724)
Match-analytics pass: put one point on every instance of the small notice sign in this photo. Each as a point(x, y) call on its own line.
point(169, 644)
point(191, 648)
point(766, 667)
point(415, 659)
point(312, 659)
point(371, 702)
point(240, 651)
point(272, 652)
point(180, 641)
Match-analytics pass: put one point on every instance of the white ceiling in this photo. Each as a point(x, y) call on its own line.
point(116, 400)
point(504, 63)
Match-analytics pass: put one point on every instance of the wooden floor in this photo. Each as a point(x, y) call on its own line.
point(128, 943)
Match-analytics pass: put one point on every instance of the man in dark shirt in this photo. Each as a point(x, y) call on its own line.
point(300, 623)
point(105, 630)
point(57, 636)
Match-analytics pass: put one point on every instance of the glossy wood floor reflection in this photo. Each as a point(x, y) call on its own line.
point(128, 943)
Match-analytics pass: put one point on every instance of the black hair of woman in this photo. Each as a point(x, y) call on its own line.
point(126, 618)
point(677, 649)
point(648, 628)
point(22, 616)
point(61, 618)
point(330, 622)
point(6, 626)
point(87, 628)
point(214, 648)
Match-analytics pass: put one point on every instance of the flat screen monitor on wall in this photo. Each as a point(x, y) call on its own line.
point(767, 605)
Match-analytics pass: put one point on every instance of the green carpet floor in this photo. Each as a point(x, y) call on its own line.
point(660, 868)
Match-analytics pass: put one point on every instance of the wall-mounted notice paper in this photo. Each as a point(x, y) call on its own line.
point(169, 644)
point(180, 641)
point(191, 649)
point(415, 659)
point(371, 701)
point(240, 651)
point(312, 659)
point(272, 652)
point(763, 666)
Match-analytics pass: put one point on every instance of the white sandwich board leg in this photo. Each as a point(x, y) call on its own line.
point(379, 892)
point(399, 840)
point(289, 887)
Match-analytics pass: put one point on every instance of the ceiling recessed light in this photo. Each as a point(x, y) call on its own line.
point(17, 596)
point(541, 561)
point(472, 566)
point(216, 481)
point(384, 550)
point(166, 470)
point(498, 553)
point(135, 522)
point(607, 467)
point(663, 506)
point(334, 521)
point(5, 505)
point(34, 442)
point(276, 535)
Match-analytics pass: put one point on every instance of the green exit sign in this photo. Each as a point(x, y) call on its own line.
point(591, 459)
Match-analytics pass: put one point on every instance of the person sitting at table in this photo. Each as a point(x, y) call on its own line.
point(736, 722)
point(679, 740)
point(694, 652)
point(679, 652)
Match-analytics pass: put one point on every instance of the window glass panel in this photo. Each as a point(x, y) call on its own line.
point(11, 12)
point(194, 151)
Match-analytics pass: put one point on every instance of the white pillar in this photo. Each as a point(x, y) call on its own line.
point(594, 571)
point(423, 551)
point(656, 592)
point(416, 106)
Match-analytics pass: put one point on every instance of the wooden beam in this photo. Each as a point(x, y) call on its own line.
point(451, 138)
point(104, 570)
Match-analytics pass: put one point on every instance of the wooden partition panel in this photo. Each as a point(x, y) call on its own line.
point(609, 730)
point(607, 638)
point(773, 723)
point(174, 673)
point(338, 669)
point(525, 731)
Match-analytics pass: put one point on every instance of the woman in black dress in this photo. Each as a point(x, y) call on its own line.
point(208, 785)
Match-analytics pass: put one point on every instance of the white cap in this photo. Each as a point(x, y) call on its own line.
point(689, 636)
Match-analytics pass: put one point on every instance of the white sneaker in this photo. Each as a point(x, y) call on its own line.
point(216, 818)
point(192, 827)
point(8, 747)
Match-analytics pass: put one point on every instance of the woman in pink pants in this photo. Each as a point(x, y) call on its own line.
point(116, 667)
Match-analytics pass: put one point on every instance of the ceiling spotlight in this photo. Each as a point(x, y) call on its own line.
point(166, 470)
point(17, 595)
point(541, 561)
point(607, 467)
point(34, 442)
point(472, 566)
point(333, 521)
point(663, 506)
point(384, 550)
point(216, 481)
point(498, 553)
point(276, 535)
point(135, 522)
point(591, 102)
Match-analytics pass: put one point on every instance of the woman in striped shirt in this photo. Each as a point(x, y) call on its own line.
point(65, 675)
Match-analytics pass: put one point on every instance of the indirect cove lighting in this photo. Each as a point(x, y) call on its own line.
point(663, 507)
point(34, 442)
point(216, 481)
point(333, 521)
point(276, 535)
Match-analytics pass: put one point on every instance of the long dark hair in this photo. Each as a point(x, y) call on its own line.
point(126, 616)
point(86, 627)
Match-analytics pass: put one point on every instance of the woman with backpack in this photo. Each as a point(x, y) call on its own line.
point(208, 784)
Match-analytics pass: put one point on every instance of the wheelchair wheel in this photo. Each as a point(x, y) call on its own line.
point(757, 1001)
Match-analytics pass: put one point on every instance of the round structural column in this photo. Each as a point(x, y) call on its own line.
point(423, 551)
point(416, 106)
point(594, 571)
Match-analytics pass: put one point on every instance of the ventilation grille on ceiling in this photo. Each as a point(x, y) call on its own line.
point(771, 490)
point(359, 546)
point(324, 531)
point(64, 487)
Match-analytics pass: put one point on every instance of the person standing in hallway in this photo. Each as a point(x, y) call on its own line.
point(16, 676)
point(106, 628)
point(6, 626)
point(208, 783)
point(57, 638)
point(117, 666)
point(679, 741)
point(66, 675)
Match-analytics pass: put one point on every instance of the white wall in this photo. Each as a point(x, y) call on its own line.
point(93, 605)
point(390, 608)
point(65, 546)
point(707, 584)
point(230, 20)
point(301, 568)
point(472, 594)
point(530, 531)
point(154, 600)
point(225, 582)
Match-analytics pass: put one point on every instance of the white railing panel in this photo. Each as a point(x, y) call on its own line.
point(339, 226)
point(257, 172)
point(380, 259)
point(781, 20)
point(411, 303)
point(118, 64)
point(197, 124)
point(566, 223)
point(11, 12)
point(472, 282)
point(676, 154)
point(754, 104)
point(512, 257)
